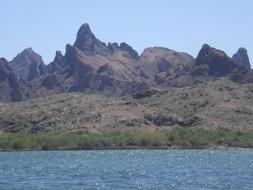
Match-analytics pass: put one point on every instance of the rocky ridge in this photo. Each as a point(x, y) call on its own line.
point(90, 65)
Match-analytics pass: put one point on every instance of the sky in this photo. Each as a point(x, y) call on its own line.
point(182, 25)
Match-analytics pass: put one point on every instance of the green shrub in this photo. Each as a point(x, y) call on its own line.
point(180, 136)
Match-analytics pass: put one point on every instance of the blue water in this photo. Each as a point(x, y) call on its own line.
point(128, 169)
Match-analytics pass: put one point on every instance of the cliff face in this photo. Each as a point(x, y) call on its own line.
point(57, 64)
point(165, 67)
point(241, 56)
point(215, 63)
point(113, 73)
point(9, 86)
point(90, 65)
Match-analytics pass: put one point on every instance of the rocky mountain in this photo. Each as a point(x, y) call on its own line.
point(215, 63)
point(90, 65)
point(28, 65)
point(97, 86)
point(165, 67)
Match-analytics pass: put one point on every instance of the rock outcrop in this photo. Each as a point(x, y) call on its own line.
point(212, 62)
point(112, 73)
point(57, 64)
point(9, 86)
point(166, 67)
point(241, 56)
point(28, 65)
point(127, 48)
point(87, 42)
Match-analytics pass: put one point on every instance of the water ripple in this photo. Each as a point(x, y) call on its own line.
point(128, 169)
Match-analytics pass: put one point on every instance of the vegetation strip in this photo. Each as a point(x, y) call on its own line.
point(181, 137)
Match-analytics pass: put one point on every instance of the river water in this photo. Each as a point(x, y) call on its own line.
point(128, 169)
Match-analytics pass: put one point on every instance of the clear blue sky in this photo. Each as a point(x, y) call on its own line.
point(182, 25)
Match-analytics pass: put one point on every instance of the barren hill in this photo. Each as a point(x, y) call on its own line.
point(219, 103)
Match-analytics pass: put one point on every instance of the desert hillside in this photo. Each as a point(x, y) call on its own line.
point(213, 104)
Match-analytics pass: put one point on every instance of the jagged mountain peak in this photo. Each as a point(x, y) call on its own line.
point(29, 53)
point(125, 47)
point(216, 61)
point(28, 50)
point(85, 28)
point(212, 62)
point(91, 65)
point(242, 49)
point(28, 65)
point(58, 57)
point(87, 42)
point(57, 64)
point(208, 51)
point(242, 57)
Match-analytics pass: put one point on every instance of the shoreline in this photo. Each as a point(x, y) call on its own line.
point(177, 138)
point(132, 148)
